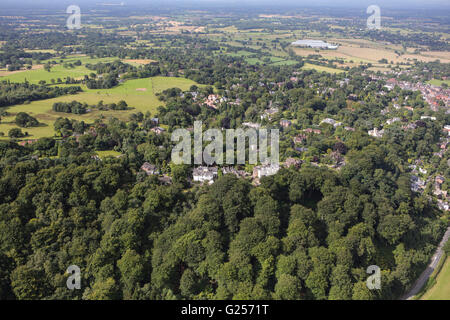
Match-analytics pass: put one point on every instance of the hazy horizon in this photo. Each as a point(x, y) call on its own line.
point(393, 4)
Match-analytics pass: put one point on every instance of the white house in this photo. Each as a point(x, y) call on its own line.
point(205, 174)
point(376, 133)
point(265, 170)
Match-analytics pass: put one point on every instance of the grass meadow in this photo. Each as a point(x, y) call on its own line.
point(441, 290)
point(139, 95)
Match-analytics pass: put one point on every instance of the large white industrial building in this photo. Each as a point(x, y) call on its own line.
point(315, 44)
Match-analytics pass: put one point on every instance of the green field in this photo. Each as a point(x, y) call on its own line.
point(274, 61)
point(139, 95)
point(436, 82)
point(285, 63)
point(108, 153)
point(57, 71)
point(441, 290)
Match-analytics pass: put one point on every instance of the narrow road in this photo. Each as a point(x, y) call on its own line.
point(429, 270)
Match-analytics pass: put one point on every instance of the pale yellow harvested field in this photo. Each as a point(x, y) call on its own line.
point(366, 53)
point(4, 73)
point(442, 55)
point(139, 61)
point(359, 50)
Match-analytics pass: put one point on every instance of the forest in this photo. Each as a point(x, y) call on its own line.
point(17, 93)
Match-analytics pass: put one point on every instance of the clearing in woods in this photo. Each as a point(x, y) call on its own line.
point(57, 71)
point(130, 91)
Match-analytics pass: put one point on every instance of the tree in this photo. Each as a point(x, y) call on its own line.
point(288, 288)
point(393, 228)
point(15, 133)
point(122, 105)
point(447, 248)
point(189, 283)
point(24, 120)
point(103, 290)
point(131, 267)
point(361, 292)
point(29, 284)
point(6, 266)
point(179, 173)
point(341, 284)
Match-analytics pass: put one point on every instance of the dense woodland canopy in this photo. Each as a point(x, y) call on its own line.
point(300, 235)
point(307, 234)
point(17, 93)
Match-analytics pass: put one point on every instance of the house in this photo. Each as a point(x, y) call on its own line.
point(265, 170)
point(333, 122)
point(329, 121)
point(149, 169)
point(26, 142)
point(237, 173)
point(417, 184)
point(411, 126)
point(376, 133)
point(440, 180)
point(311, 130)
point(427, 117)
point(291, 162)
point(158, 130)
point(205, 174)
point(444, 206)
point(299, 139)
point(252, 125)
point(391, 121)
point(285, 123)
point(269, 113)
point(212, 100)
point(353, 97)
point(423, 171)
point(447, 129)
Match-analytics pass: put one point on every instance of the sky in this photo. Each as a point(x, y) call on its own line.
point(399, 4)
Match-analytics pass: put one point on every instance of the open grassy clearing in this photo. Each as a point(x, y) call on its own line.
point(441, 290)
point(108, 153)
point(139, 95)
point(40, 50)
point(436, 82)
point(57, 71)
